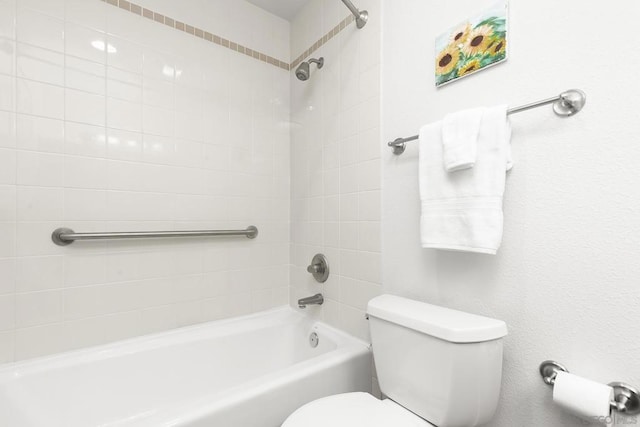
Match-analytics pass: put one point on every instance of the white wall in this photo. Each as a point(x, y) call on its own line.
point(335, 164)
point(566, 279)
point(117, 141)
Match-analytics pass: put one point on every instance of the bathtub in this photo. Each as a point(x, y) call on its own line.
point(248, 371)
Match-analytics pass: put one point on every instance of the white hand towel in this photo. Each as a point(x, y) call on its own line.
point(460, 138)
point(463, 210)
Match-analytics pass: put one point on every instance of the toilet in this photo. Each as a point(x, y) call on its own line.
point(436, 367)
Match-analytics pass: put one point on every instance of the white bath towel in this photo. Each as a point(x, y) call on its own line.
point(460, 138)
point(463, 210)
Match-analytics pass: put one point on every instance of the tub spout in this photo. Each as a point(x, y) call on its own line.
point(317, 299)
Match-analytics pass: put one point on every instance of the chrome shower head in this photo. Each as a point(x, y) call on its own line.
point(303, 70)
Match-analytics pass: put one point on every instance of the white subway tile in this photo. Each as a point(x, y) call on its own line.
point(39, 64)
point(369, 144)
point(84, 107)
point(7, 312)
point(40, 169)
point(7, 239)
point(125, 145)
point(349, 179)
point(125, 55)
point(88, 13)
point(86, 43)
point(8, 274)
point(38, 308)
point(85, 172)
point(85, 75)
point(34, 239)
point(124, 115)
point(124, 85)
point(40, 99)
point(369, 234)
point(7, 20)
point(39, 134)
point(369, 206)
point(349, 235)
point(49, 7)
point(7, 345)
point(39, 273)
point(158, 92)
point(157, 121)
point(7, 93)
point(83, 205)
point(85, 140)
point(8, 203)
point(349, 207)
point(7, 55)
point(80, 270)
point(369, 175)
point(40, 204)
point(40, 30)
point(7, 129)
point(40, 340)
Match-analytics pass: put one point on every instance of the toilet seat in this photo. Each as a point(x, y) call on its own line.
point(353, 410)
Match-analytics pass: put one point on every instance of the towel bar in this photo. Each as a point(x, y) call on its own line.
point(566, 104)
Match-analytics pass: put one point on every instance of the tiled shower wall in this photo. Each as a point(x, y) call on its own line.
point(335, 163)
point(111, 121)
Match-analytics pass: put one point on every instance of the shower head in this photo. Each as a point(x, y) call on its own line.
point(303, 73)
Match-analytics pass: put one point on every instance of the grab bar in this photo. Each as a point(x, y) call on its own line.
point(65, 236)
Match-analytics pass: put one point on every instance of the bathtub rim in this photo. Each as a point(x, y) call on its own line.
point(167, 338)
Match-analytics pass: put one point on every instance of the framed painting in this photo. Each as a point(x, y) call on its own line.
point(472, 45)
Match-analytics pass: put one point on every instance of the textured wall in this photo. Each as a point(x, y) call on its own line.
point(566, 279)
point(335, 164)
point(162, 131)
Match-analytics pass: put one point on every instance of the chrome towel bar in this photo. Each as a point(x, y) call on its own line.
point(566, 104)
point(66, 236)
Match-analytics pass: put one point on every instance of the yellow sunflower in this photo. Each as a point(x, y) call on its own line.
point(497, 46)
point(447, 60)
point(460, 34)
point(469, 67)
point(478, 40)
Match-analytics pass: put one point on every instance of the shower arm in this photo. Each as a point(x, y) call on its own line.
point(319, 62)
point(361, 16)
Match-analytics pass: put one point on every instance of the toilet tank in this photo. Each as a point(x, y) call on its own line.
point(443, 365)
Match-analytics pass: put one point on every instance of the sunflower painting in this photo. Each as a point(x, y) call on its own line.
point(472, 46)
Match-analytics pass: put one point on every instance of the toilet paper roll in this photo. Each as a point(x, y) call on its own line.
point(587, 399)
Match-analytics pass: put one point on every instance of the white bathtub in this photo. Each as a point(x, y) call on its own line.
point(249, 371)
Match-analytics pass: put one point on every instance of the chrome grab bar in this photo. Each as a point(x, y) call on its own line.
point(65, 236)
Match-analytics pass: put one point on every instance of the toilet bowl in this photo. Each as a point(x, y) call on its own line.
point(437, 366)
point(353, 410)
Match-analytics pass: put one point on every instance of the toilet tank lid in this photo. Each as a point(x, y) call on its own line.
point(440, 322)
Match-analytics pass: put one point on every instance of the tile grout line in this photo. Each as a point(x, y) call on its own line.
point(221, 41)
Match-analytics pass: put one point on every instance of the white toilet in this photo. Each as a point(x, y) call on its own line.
point(436, 366)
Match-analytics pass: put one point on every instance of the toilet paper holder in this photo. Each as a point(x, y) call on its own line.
point(626, 397)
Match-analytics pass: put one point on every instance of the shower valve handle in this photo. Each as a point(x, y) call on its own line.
point(314, 268)
point(319, 268)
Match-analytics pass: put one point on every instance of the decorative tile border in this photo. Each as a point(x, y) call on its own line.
point(221, 41)
point(197, 32)
point(323, 40)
